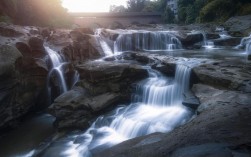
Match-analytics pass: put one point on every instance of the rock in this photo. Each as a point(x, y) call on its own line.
point(239, 26)
point(9, 56)
point(98, 71)
point(208, 149)
point(227, 41)
point(36, 43)
point(168, 69)
point(190, 100)
point(220, 97)
point(218, 130)
point(75, 108)
point(191, 39)
point(228, 74)
point(9, 31)
point(249, 57)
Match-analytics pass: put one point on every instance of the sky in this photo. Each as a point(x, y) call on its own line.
point(91, 5)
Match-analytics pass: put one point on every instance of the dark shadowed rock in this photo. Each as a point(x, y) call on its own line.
point(75, 108)
point(97, 71)
point(227, 41)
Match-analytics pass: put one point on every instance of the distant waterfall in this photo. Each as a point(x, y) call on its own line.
point(146, 41)
point(157, 107)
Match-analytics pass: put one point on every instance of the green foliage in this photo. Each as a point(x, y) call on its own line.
point(168, 16)
point(4, 18)
point(36, 12)
point(115, 8)
point(217, 11)
point(188, 10)
point(245, 9)
point(135, 5)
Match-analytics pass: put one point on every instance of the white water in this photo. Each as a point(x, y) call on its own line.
point(106, 48)
point(245, 42)
point(156, 107)
point(57, 63)
point(207, 44)
point(146, 41)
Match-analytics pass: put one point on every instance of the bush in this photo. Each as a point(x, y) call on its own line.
point(246, 9)
point(217, 11)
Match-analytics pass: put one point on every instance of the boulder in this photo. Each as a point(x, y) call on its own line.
point(75, 108)
point(101, 71)
point(239, 26)
point(9, 30)
point(232, 41)
point(232, 75)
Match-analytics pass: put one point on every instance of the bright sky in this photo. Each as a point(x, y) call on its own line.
point(91, 5)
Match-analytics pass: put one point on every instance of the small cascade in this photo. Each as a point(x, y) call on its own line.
point(222, 32)
point(246, 42)
point(146, 41)
point(157, 107)
point(106, 48)
point(207, 44)
point(57, 65)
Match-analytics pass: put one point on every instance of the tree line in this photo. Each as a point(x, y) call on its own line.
point(189, 11)
point(34, 12)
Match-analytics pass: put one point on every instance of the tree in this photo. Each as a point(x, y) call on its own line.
point(135, 5)
point(115, 8)
point(37, 12)
point(168, 16)
point(218, 11)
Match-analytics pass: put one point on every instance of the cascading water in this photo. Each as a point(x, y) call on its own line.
point(156, 107)
point(106, 48)
point(146, 41)
point(207, 44)
point(246, 42)
point(57, 63)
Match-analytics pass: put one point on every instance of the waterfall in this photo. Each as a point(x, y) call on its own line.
point(246, 42)
point(57, 65)
point(146, 41)
point(105, 47)
point(156, 107)
point(207, 44)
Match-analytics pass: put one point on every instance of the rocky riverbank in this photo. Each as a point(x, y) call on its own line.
point(219, 96)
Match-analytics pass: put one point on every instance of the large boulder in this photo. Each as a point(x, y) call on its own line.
point(239, 26)
point(76, 108)
point(232, 75)
point(22, 83)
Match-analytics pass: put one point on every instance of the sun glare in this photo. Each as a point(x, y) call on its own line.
point(91, 5)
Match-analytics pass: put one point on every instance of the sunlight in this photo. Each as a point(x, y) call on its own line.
point(91, 5)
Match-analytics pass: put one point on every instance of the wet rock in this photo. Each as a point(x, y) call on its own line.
point(227, 41)
point(190, 100)
point(228, 74)
point(191, 39)
point(76, 108)
point(98, 71)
